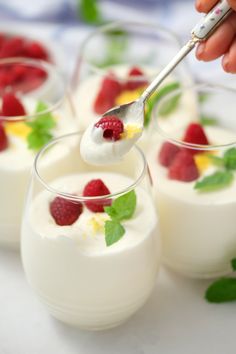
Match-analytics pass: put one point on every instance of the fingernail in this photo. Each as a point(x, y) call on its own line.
point(200, 50)
point(225, 63)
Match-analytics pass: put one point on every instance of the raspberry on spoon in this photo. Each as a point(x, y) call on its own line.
point(112, 127)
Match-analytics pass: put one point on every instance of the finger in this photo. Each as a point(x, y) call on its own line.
point(219, 43)
point(229, 60)
point(205, 6)
point(232, 3)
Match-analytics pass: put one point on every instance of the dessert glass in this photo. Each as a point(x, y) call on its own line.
point(79, 279)
point(42, 91)
point(195, 181)
point(108, 55)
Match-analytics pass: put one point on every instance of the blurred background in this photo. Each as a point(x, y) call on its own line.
point(64, 24)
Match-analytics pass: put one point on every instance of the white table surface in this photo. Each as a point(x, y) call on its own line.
point(175, 320)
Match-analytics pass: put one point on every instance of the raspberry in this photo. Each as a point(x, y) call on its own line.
point(183, 167)
point(167, 153)
point(3, 138)
point(35, 50)
point(12, 47)
point(11, 106)
point(136, 83)
point(110, 89)
point(64, 211)
point(95, 188)
point(112, 127)
point(195, 134)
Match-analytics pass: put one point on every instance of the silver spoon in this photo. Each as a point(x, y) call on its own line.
point(134, 111)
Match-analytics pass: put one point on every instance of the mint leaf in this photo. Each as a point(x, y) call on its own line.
point(113, 232)
point(204, 120)
point(36, 139)
point(89, 11)
point(233, 263)
point(222, 290)
point(217, 180)
point(203, 97)
point(156, 98)
point(216, 160)
point(169, 106)
point(41, 126)
point(230, 159)
point(123, 207)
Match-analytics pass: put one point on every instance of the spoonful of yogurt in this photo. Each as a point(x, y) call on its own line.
point(115, 133)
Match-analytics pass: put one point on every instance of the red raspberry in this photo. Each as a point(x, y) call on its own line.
point(2, 39)
point(3, 138)
point(35, 50)
point(183, 167)
point(64, 211)
point(12, 47)
point(11, 106)
point(110, 89)
point(195, 134)
point(112, 127)
point(136, 83)
point(95, 188)
point(167, 153)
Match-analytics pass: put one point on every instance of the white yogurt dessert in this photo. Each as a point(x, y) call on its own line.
point(196, 200)
point(19, 143)
point(84, 272)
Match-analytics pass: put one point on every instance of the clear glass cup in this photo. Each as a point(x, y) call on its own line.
point(117, 62)
point(34, 107)
point(82, 281)
point(193, 163)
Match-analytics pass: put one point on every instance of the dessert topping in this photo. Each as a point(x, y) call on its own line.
point(167, 153)
point(64, 211)
point(12, 106)
point(183, 167)
point(3, 138)
point(95, 188)
point(110, 89)
point(112, 127)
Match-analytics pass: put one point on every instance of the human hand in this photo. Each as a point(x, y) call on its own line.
point(223, 41)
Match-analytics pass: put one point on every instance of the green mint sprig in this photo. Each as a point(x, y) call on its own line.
point(41, 128)
point(167, 107)
point(89, 11)
point(222, 290)
point(221, 178)
point(206, 121)
point(121, 209)
point(217, 180)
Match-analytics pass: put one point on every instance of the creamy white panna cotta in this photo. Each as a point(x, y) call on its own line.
point(15, 164)
point(82, 281)
point(198, 228)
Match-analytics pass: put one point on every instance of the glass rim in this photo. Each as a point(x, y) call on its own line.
point(77, 198)
point(38, 63)
point(196, 87)
point(114, 24)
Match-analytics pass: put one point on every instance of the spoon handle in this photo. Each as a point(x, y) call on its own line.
point(200, 32)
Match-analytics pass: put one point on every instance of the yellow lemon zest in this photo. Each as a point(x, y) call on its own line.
point(97, 223)
point(127, 96)
point(130, 131)
point(18, 129)
point(202, 161)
